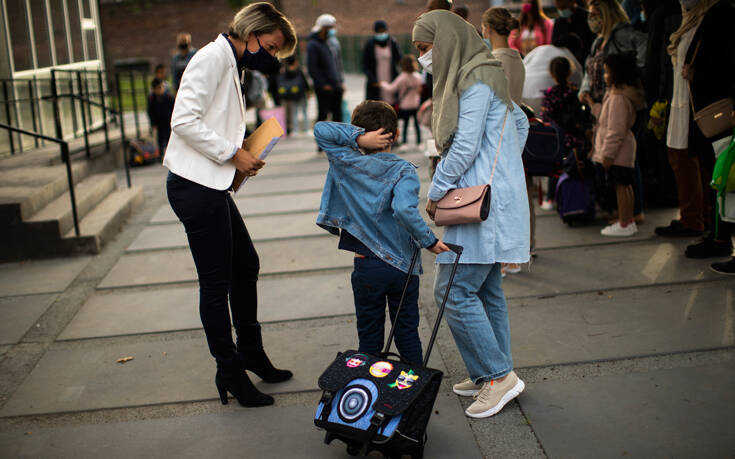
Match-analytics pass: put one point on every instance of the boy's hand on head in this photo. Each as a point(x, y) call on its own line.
point(439, 247)
point(375, 140)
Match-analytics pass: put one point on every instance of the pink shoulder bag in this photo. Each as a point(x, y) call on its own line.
point(468, 205)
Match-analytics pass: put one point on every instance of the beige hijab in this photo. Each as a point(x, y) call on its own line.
point(689, 20)
point(459, 60)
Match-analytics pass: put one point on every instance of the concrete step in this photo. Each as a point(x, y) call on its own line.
point(104, 221)
point(89, 192)
point(25, 191)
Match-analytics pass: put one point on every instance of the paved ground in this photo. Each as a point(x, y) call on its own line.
point(627, 348)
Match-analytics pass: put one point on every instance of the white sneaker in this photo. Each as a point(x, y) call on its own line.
point(547, 205)
point(615, 230)
point(466, 388)
point(494, 396)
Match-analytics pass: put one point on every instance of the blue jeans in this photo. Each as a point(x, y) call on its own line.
point(373, 282)
point(478, 318)
point(293, 107)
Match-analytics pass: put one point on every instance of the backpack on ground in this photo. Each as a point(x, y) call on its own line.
point(142, 152)
point(574, 200)
point(374, 403)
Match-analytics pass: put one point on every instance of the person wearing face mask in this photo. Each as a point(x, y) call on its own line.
point(478, 129)
point(325, 67)
point(203, 154)
point(535, 28)
point(184, 53)
point(615, 35)
point(703, 54)
point(573, 19)
point(380, 58)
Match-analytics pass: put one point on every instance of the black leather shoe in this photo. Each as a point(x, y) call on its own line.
point(676, 229)
point(258, 362)
point(237, 382)
point(708, 248)
point(724, 267)
point(254, 358)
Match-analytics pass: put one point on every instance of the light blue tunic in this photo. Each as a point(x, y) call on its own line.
point(505, 235)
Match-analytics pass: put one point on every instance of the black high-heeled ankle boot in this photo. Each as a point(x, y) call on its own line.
point(254, 358)
point(237, 382)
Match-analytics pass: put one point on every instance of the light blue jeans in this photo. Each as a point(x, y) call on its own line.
point(478, 317)
point(293, 107)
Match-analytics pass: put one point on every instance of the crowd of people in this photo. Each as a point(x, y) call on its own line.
point(596, 75)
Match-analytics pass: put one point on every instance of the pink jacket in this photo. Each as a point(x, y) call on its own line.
point(408, 86)
point(615, 117)
point(543, 37)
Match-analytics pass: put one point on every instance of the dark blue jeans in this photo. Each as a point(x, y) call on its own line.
point(226, 262)
point(373, 283)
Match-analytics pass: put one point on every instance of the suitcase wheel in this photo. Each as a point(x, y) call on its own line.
point(353, 450)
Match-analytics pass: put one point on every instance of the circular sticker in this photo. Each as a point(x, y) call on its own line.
point(353, 403)
point(356, 360)
point(381, 369)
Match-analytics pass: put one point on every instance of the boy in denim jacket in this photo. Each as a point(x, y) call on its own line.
point(370, 200)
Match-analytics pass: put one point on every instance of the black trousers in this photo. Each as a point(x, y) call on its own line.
point(329, 102)
point(406, 116)
point(226, 262)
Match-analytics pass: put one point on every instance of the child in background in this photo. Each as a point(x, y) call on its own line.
point(561, 107)
point(614, 148)
point(160, 109)
point(408, 85)
point(292, 90)
point(370, 199)
point(161, 72)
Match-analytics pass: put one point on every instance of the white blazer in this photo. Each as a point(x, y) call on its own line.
point(208, 119)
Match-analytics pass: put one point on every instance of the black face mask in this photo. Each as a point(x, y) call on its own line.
point(183, 46)
point(261, 61)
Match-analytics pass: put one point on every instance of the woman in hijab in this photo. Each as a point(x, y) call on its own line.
point(481, 134)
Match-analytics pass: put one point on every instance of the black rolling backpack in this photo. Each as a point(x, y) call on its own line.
point(375, 403)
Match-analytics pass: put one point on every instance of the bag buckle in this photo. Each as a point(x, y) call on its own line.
point(377, 419)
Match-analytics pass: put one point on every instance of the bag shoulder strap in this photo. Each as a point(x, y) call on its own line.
point(689, 84)
point(500, 142)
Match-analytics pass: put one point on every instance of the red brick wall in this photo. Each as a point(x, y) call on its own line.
point(148, 29)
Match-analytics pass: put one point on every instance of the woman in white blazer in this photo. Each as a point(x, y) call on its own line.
point(208, 127)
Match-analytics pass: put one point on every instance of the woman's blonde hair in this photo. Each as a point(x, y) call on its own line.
point(500, 20)
point(611, 14)
point(260, 18)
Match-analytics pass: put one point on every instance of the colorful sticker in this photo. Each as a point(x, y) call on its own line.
point(404, 380)
point(356, 360)
point(381, 369)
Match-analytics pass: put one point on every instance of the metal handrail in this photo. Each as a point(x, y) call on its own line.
point(64, 157)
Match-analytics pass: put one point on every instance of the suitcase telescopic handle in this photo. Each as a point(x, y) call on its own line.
point(454, 248)
point(458, 250)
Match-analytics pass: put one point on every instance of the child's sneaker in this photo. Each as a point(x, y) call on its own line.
point(615, 230)
point(494, 396)
point(466, 388)
point(547, 204)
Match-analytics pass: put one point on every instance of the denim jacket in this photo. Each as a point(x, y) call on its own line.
point(374, 197)
point(505, 235)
